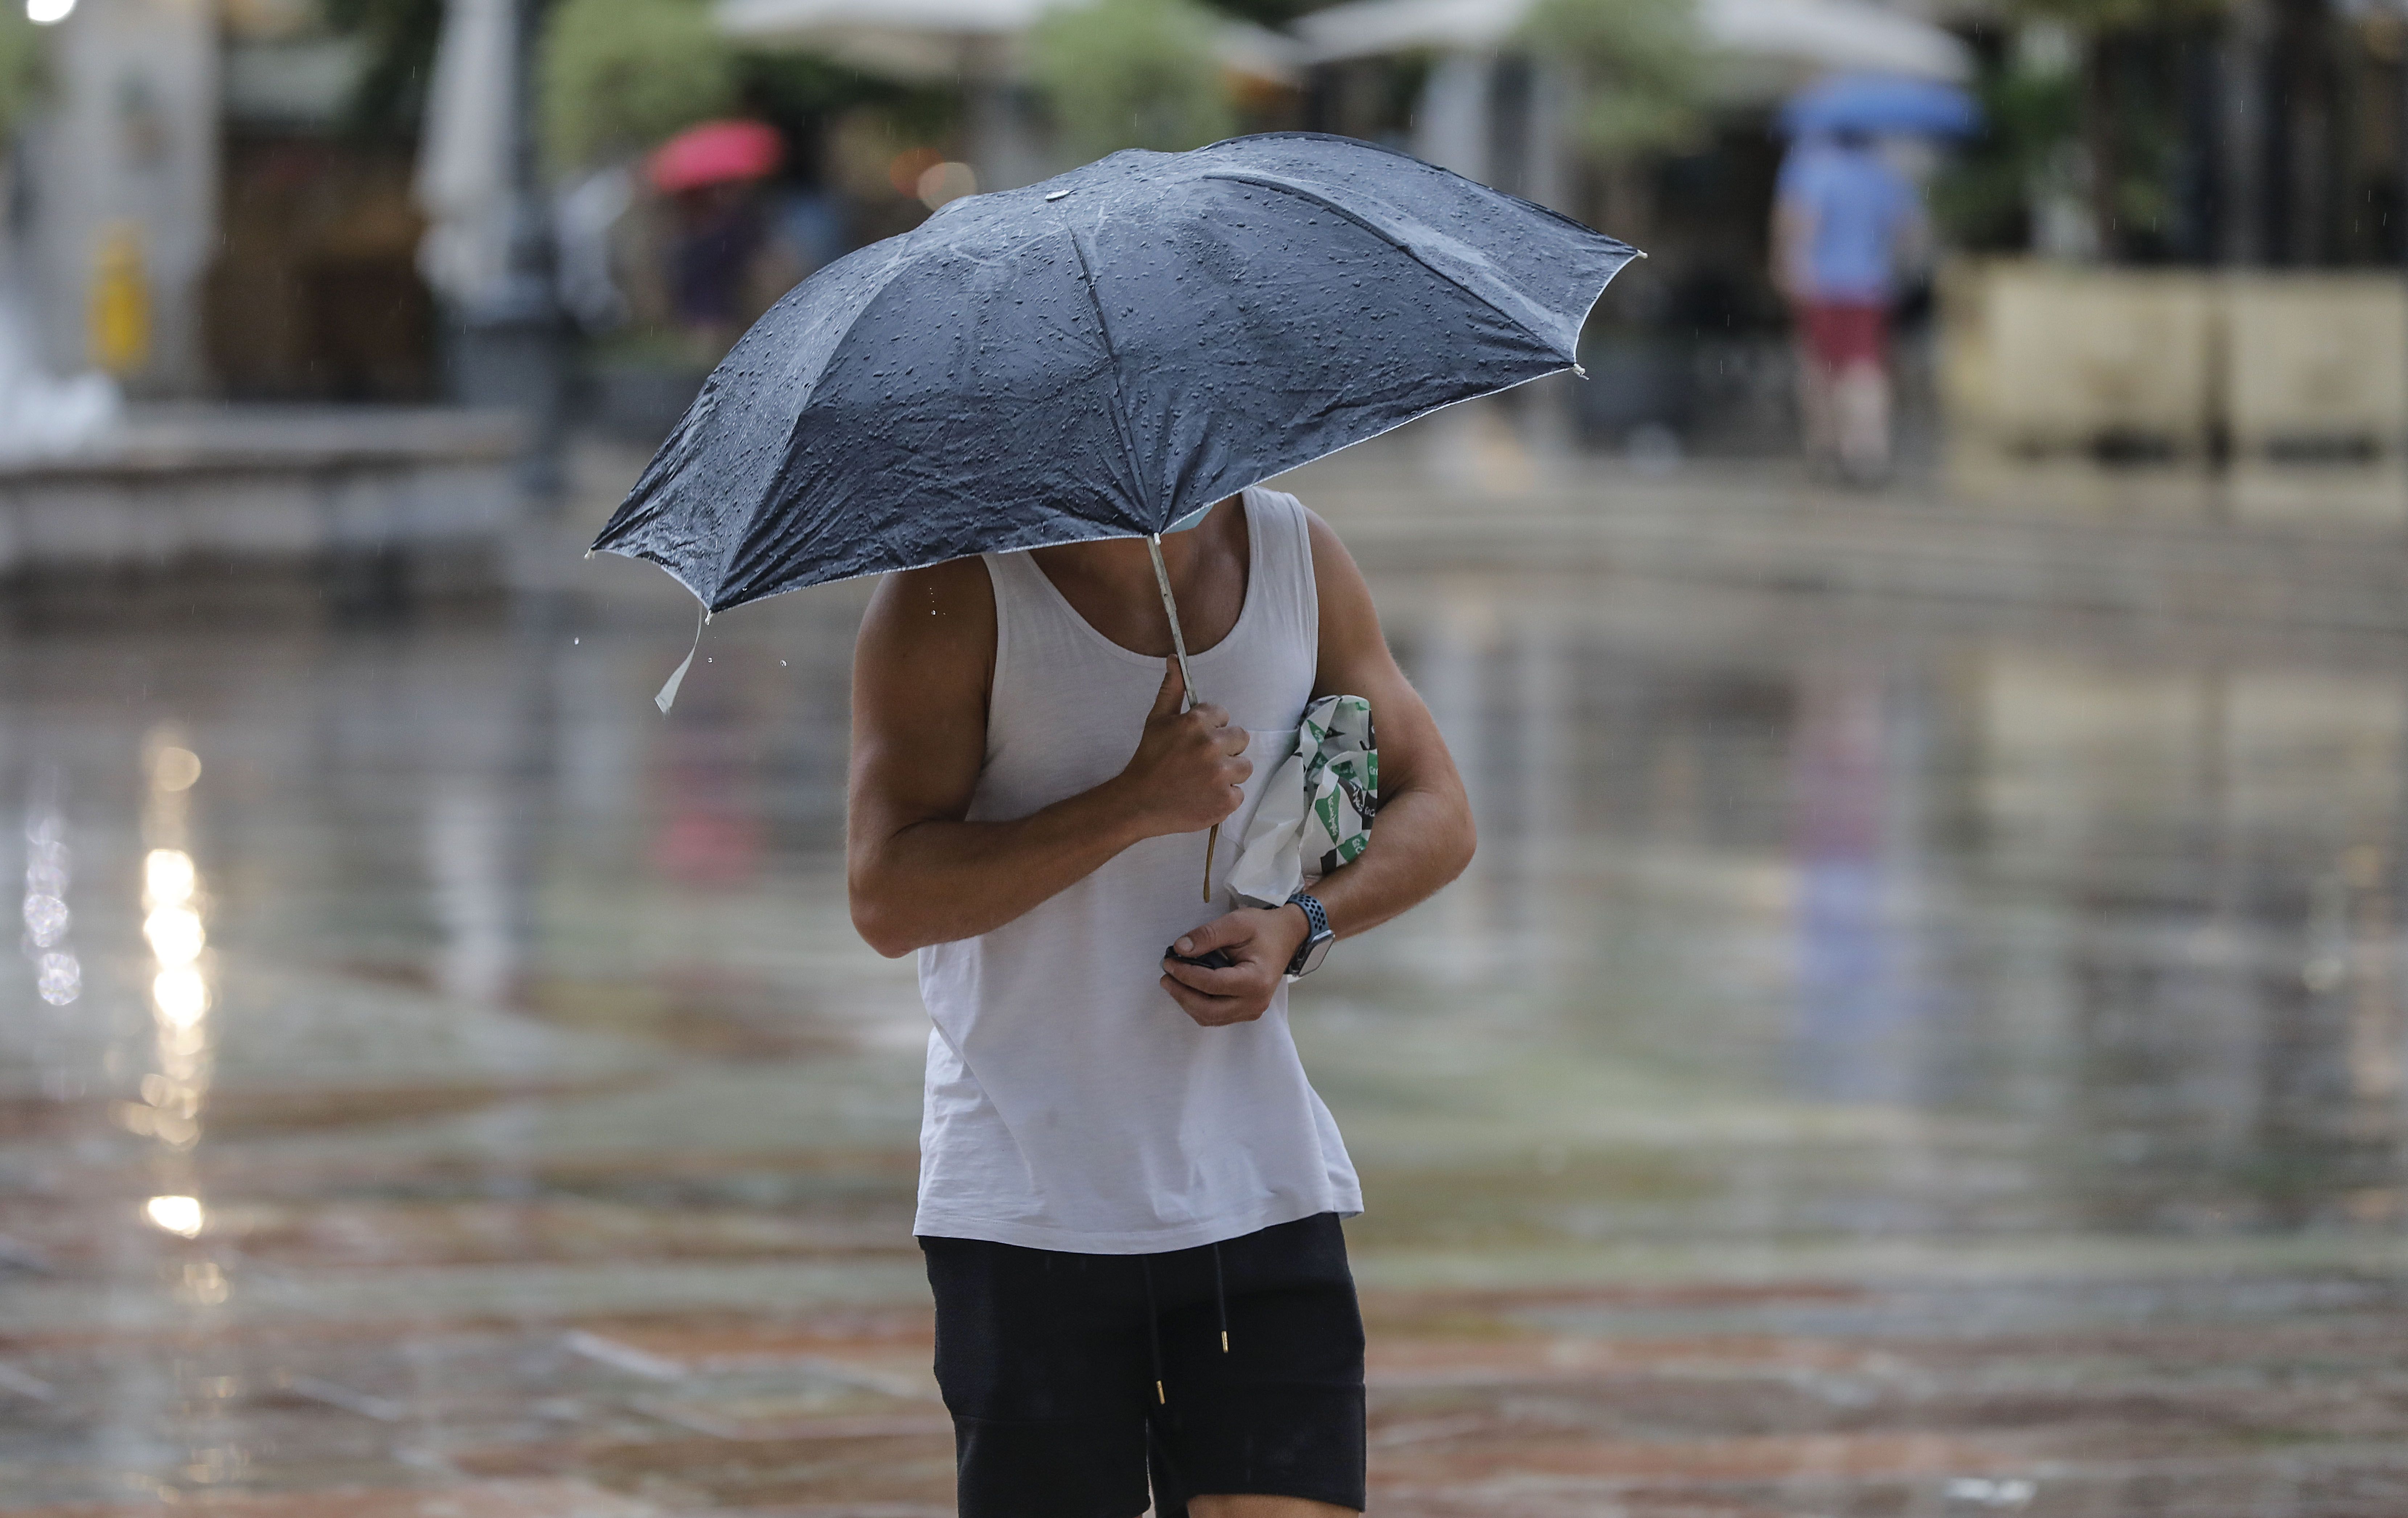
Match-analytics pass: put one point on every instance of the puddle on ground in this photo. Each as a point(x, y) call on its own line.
point(1868, 1069)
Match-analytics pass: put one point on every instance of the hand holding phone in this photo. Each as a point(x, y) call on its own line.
point(1210, 959)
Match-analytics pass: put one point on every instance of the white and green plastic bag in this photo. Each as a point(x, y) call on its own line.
point(1317, 806)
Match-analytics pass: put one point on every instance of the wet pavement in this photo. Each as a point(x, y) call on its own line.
point(1878, 1065)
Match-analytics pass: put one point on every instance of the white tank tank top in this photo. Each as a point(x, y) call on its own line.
point(1070, 1104)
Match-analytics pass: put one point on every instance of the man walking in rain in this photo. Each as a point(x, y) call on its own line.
point(1843, 218)
point(1035, 408)
point(1129, 1194)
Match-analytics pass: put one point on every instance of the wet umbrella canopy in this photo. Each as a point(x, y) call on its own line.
point(1102, 355)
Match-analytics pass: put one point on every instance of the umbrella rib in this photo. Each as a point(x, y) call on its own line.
point(901, 258)
point(1303, 192)
point(651, 495)
point(1112, 361)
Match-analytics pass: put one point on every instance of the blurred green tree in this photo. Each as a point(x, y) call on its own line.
point(793, 89)
point(23, 71)
point(2128, 141)
point(1983, 197)
point(616, 77)
point(1640, 66)
point(1132, 74)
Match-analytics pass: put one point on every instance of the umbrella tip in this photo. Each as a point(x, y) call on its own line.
point(1057, 195)
point(1578, 370)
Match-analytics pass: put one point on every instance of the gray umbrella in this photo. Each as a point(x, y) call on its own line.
point(1102, 355)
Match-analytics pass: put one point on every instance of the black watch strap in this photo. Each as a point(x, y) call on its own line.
point(1316, 935)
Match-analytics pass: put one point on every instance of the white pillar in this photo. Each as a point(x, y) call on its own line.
point(1004, 152)
point(1547, 176)
point(1450, 125)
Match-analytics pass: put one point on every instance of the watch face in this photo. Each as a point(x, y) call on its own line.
point(1316, 949)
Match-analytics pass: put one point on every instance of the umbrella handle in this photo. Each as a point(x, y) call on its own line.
point(1178, 647)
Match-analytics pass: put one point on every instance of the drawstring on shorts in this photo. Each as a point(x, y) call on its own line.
point(1221, 1297)
point(1153, 1330)
point(1153, 1318)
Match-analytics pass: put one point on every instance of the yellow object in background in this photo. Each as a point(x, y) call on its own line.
point(121, 301)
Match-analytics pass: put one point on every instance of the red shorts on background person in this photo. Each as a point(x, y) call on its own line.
point(1843, 334)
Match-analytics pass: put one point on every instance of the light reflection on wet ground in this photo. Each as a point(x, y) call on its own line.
point(1873, 1068)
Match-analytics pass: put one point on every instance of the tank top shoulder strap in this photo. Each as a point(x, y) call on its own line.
point(1031, 616)
point(1283, 557)
point(1020, 607)
point(1008, 574)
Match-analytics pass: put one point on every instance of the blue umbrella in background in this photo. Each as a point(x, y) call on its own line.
point(1881, 104)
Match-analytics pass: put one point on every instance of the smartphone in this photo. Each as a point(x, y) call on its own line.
point(1210, 959)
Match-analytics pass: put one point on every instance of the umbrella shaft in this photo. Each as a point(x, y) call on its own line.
point(1178, 647)
point(1170, 609)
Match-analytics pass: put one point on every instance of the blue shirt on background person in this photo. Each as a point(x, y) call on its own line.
point(1856, 205)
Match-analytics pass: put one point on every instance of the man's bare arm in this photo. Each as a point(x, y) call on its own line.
point(1424, 829)
point(918, 873)
point(1422, 840)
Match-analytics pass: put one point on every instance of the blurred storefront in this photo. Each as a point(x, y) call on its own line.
point(314, 293)
point(197, 216)
point(211, 221)
point(116, 207)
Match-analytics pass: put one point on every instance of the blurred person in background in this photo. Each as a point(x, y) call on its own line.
point(1844, 219)
point(719, 231)
point(728, 256)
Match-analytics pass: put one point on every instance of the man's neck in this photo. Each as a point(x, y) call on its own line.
point(1111, 582)
point(1122, 567)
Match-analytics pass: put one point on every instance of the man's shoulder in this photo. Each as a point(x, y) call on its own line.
point(1316, 526)
point(1337, 580)
point(957, 580)
point(938, 611)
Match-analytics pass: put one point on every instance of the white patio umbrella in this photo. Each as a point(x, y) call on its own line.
point(927, 38)
point(917, 39)
point(1853, 34)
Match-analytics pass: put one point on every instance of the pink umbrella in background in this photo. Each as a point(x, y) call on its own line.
point(716, 152)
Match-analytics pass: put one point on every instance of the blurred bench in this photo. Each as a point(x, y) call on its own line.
point(426, 496)
point(2121, 363)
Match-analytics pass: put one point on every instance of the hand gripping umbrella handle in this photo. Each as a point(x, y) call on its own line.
point(1178, 647)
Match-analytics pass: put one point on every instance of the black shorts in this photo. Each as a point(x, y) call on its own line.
point(1073, 1378)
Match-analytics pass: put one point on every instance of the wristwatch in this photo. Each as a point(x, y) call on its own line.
point(1315, 947)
